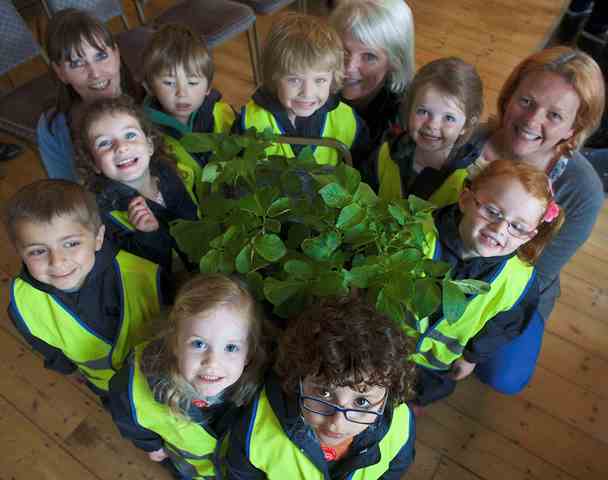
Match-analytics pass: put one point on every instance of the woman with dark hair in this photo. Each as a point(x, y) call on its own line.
point(86, 63)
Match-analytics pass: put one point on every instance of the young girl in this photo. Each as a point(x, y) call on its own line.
point(334, 407)
point(443, 105)
point(176, 397)
point(495, 233)
point(138, 190)
point(86, 63)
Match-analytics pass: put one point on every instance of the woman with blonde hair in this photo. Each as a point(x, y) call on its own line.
point(378, 37)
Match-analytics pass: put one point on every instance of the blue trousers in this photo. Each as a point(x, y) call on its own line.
point(512, 367)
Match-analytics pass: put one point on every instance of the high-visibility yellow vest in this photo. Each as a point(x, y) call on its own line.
point(389, 175)
point(190, 447)
point(450, 190)
point(271, 451)
point(438, 346)
point(340, 124)
point(48, 319)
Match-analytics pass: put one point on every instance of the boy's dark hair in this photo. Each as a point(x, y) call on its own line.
point(84, 158)
point(345, 343)
point(175, 45)
point(44, 200)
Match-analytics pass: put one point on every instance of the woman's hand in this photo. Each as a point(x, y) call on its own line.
point(141, 216)
point(461, 369)
point(158, 455)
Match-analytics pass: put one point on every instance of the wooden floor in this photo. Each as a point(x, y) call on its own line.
point(51, 427)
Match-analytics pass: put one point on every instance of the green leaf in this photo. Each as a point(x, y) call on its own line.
point(199, 142)
point(335, 196)
point(398, 213)
point(390, 306)
point(210, 172)
point(277, 291)
point(255, 282)
point(329, 284)
point(348, 177)
point(419, 205)
point(322, 247)
point(350, 216)
point(365, 195)
point(279, 207)
point(427, 297)
point(306, 154)
point(243, 260)
point(454, 301)
point(299, 269)
point(270, 247)
point(193, 237)
point(470, 286)
point(251, 204)
point(210, 263)
point(361, 277)
point(434, 268)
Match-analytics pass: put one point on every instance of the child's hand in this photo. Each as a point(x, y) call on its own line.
point(461, 369)
point(141, 216)
point(158, 455)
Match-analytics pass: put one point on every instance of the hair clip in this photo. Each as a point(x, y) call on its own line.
point(552, 212)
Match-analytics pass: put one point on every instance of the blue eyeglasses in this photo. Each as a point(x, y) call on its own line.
point(321, 407)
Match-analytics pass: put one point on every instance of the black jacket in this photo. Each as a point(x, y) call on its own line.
point(362, 452)
point(155, 246)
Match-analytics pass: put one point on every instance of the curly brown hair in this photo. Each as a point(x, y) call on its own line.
point(346, 343)
point(89, 175)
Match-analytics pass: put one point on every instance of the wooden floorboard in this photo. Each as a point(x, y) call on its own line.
point(51, 427)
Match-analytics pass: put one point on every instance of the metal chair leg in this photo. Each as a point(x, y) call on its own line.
point(140, 11)
point(125, 21)
point(254, 54)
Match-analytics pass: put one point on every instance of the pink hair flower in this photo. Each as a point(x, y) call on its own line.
point(552, 212)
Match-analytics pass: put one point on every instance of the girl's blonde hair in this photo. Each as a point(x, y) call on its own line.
point(85, 159)
point(386, 25)
point(298, 42)
point(580, 71)
point(455, 78)
point(537, 184)
point(199, 297)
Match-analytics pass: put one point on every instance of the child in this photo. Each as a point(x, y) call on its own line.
point(178, 72)
point(495, 233)
point(86, 64)
point(177, 395)
point(78, 301)
point(441, 109)
point(334, 406)
point(139, 191)
point(302, 64)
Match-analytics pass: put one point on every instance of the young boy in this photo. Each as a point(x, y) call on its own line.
point(334, 406)
point(178, 72)
point(78, 301)
point(303, 63)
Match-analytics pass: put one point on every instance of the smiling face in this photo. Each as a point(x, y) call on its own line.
point(436, 120)
point(335, 429)
point(539, 115)
point(302, 94)
point(503, 197)
point(365, 70)
point(94, 75)
point(180, 93)
point(60, 253)
point(120, 148)
point(212, 349)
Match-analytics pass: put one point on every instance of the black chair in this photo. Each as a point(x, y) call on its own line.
point(102, 9)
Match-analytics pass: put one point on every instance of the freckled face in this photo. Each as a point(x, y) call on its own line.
point(509, 200)
point(212, 349)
